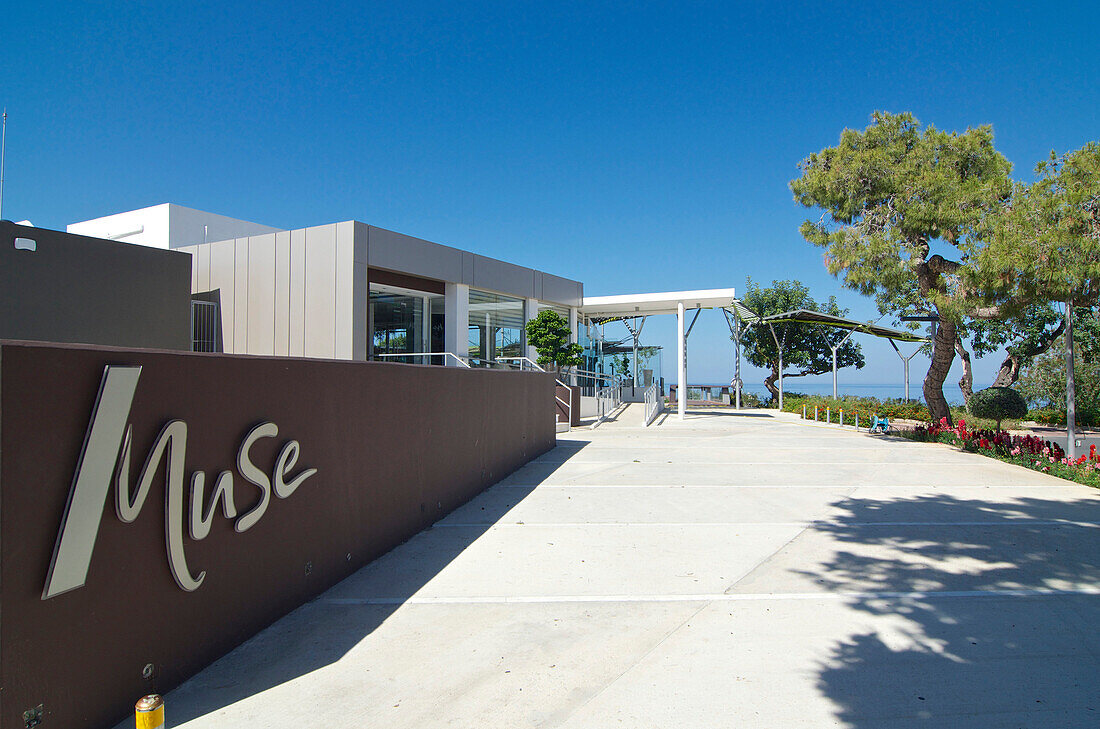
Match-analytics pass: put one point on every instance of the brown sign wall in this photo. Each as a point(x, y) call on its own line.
point(395, 448)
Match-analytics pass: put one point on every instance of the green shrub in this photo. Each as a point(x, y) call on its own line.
point(749, 400)
point(1085, 417)
point(997, 404)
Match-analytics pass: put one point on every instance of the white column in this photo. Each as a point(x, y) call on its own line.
point(681, 363)
point(574, 322)
point(456, 320)
point(425, 330)
point(530, 311)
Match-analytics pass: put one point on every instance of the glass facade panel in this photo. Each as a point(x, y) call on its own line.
point(398, 323)
point(496, 327)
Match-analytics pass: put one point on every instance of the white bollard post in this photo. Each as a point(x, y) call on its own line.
point(815, 413)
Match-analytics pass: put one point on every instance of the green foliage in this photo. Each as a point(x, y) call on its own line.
point(889, 193)
point(621, 366)
point(864, 406)
point(1046, 240)
point(548, 333)
point(1043, 385)
point(806, 347)
point(1088, 417)
point(997, 404)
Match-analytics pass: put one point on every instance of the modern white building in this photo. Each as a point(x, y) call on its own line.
point(355, 291)
point(345, 290)
point(167, 226)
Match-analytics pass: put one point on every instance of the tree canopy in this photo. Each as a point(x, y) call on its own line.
point(904, 208)
point(807, 348)
point(548, 333)
point(1045, 244)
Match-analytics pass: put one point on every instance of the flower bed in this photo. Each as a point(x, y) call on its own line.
point(1028, 451)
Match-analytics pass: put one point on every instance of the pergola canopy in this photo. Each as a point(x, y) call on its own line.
point(805, 316)
point(611, 308)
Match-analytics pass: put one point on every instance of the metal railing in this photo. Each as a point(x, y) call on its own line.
point(654, 404)
point(522, 362)
point(428, 355)
point(205, 321)
point(607, 400)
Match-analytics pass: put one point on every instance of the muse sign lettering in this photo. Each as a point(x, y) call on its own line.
point(105, 457)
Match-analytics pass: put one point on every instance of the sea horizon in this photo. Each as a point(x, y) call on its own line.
point(881, 390)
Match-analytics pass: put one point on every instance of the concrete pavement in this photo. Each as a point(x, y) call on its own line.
point(731, 570)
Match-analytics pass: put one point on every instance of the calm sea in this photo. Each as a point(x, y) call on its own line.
point(951, 391)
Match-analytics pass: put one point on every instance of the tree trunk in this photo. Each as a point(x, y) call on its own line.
point(770, 380)
point(943, 353)
point(966, 382)
point(1008, 373)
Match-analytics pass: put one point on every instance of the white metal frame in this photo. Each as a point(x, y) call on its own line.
point(458, 360)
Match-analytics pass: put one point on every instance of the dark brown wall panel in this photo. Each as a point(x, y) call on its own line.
point(395, 448)
point(73, 288)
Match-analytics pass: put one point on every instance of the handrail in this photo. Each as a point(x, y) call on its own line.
point(428, 354)
point(568, 405)
point(534, 365)
point(607, 399)
point(654, 404)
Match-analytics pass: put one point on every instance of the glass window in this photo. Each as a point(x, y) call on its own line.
point(398, 322)
point(496, 327)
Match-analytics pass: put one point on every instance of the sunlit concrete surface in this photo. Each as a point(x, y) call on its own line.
point(730, 570)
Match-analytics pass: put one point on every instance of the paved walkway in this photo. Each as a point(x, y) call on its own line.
point(731, 570)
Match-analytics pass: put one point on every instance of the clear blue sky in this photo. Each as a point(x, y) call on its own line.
point(636, 147)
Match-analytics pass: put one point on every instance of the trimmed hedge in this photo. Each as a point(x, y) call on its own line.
point(1085, 417)
point(997, 404)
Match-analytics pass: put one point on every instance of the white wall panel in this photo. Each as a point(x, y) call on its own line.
point(240, 295)
point(282, 293)
point(344, 273)
point(200, 264)
point(261, 294)
point(221, 278)
point(360, 313)
point(297, 292)
point(320, 292)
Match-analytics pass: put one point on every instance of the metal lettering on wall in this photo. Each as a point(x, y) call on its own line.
point(106, 453)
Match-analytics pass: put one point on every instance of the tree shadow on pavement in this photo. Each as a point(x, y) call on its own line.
point(988, 617)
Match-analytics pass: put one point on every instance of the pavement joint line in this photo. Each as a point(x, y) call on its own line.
point(918, 488)
point(659, 462)
point(711, 597)
point(814, 523)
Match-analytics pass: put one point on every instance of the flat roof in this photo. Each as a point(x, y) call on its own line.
point(629, 305)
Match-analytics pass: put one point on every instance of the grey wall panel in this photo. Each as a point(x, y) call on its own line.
point(320, 292)
point(467, 269)
point(297, 292)
point(72, 288)
point(221, 278)
point(240, 295)
point(282, 293)
point(345, 289)
point(362, 239)
point(508, 278)
point(561, 290)
point(261, 294)
point(405, 254)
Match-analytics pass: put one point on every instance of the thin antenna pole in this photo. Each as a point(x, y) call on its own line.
point(3, 151)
